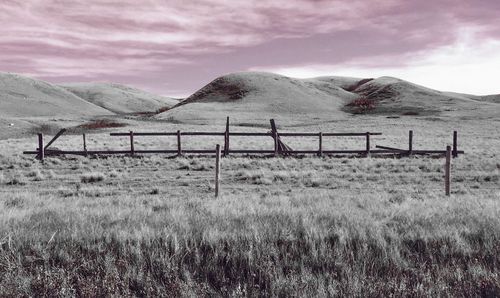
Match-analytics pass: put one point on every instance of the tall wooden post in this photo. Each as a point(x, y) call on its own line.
point(132, 150)
point(320, 151)
point(226, 138)
point(217, 169)
point(41, 150)
point(447, 170)
point(274, 131)
point(367, 144)
point(85, 145)
point(455, 144)
point(179, 145)
point(276, 146)
point(410, 143)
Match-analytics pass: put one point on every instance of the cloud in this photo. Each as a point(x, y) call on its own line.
point(467, 66)
point(174, 40)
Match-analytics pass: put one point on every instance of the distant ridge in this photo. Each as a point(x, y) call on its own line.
point(249, 95)
point(21, 96)
point(119, 99)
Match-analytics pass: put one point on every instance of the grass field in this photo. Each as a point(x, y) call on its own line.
point(150, 226)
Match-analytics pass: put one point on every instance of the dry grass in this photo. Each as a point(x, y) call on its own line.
point(282, 227)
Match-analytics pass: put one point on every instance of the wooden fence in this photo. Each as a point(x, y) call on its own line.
point(280, 148)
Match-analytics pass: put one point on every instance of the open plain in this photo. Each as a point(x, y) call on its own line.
point(309, 226)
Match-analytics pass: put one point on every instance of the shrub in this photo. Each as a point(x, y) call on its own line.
point(102, 123)
point(92, 177)
point(362, 105)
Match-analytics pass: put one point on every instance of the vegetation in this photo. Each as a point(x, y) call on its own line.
point(150, 226)
point(362, 105)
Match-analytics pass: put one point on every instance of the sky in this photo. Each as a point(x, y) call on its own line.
point(174, 47)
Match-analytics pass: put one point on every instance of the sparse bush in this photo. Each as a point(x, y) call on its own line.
point(102, 123)
point(92, 177)
point(362, 105)
point(14, 202)
point(17, 180)
point(161, 110)
point(36, 175)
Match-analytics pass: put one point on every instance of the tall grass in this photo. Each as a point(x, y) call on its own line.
point(304, 244)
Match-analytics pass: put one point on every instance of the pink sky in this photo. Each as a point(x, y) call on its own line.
point(175, 47)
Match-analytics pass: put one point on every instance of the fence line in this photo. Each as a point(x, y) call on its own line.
point(280, 148)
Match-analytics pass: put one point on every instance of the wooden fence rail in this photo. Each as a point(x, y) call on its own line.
point(280, 148)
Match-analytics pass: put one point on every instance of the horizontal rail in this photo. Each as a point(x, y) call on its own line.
point(208, 133)
point(187, 133)
point(207, 151)
point(391, 148)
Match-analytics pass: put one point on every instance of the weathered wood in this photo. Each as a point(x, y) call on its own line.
point(244, 134)
point(188, 133)
point(390, 148)
point(41, 149)
point(179, 145)
point(226, 138)
point(368, 147)
point(276, 146)
point(217, 169)
point(320, 151)
point(132, 151)
point(410, 142)
point(55, 138)
point(85, 144)
point(447, 170)
point(455, 144)
point(350, 134)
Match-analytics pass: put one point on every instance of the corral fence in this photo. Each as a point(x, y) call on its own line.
point(279, 149)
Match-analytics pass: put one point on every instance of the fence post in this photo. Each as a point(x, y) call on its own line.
point(447, 170)
point(179, 146)
point(85, 145)
point(410, 143)
point(217, 169)
point(132, 151)
point(275, 137)
point(455, 144)
point(226, 138)
point(367, 144)
point(41, 150)
point(320, 151)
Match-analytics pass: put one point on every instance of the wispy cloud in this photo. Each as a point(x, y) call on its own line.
point(185, 43)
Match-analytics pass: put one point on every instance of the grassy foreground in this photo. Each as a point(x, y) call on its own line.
point(309, 243)
point(318, 227)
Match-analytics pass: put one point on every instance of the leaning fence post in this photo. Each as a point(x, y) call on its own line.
point(275, 137)
point(410, 142)
point(179, 146)
point(447, 170)
point(217, 169)
point(132, 151)
point(226, 138)
point(41, 150)
point(367, 144)
point(455, 144)
point(320, 151)
point(85, 145)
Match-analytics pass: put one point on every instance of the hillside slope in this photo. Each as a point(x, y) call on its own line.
point(25, 97)
point(395, 96)
point(254, 95)
point(118, 98)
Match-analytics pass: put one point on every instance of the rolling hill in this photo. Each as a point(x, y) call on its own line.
point(119, 99)
point(254, 96)
point(25, 97)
